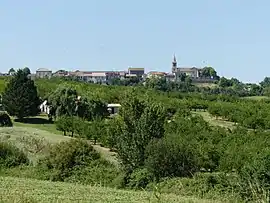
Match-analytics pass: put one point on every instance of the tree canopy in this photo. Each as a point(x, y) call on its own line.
point(20, 96)
point(11, 71)
point(27, 71)
point(209, 72)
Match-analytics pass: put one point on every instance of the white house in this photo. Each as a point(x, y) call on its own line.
point(43, 73)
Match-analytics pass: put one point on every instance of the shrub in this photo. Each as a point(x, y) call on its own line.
point(171, 157)
point(140, 178)
point(5, 120)
point(11, 156)
point(64, 157)
point(204, 185)
point(97, 172)
point(255, 175)
point(33, 144)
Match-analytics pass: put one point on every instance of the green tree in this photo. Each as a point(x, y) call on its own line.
point(224, 82)
point(20, 97)
point(27, 71)
point(11, 71)
point(63, 101)
point(265, 82)
point(209, 72)
point(139, 123)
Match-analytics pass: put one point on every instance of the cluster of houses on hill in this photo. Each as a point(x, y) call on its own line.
point(107, 76)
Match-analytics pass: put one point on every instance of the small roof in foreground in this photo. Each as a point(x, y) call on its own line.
point(114, 105)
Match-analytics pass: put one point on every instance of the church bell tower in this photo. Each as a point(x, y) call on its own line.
point(174, 65)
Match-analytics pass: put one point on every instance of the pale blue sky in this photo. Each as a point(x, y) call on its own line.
point(230, 35)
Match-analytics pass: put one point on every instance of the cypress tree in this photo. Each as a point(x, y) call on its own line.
point(20, 96)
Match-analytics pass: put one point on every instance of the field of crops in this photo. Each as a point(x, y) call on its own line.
point(27, 190)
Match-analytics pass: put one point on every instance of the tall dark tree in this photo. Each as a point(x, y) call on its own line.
point(11, 71)
point(265, 82)
point(20, 97)
point(27, 71)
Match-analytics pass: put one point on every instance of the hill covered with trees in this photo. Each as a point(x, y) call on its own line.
point(159, 138)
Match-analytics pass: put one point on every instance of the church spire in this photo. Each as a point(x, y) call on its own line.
point(174, 64)
point(174, 58)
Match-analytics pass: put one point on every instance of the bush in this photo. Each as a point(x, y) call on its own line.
point(171, 157)
point(203, 185)
point(97, 172)
point(33, 144)
point(5, 120)
point(255, 175)
point(65, 157)
point(140, 178)
point(11, 156)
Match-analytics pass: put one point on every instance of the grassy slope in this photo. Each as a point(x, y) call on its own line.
point(28, 190)
point(257, 98)
point(210, 85)
point(213, 121)
point(14, 134)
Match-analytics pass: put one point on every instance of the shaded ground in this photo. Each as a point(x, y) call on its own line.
point(39, 122)
point(34, 120)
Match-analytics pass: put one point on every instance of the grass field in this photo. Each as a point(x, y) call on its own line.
point(213, 121)
point(210, 85)
point(257, 98)
point(32, 191)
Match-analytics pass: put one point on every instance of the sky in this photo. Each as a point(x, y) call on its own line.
point(232, 36)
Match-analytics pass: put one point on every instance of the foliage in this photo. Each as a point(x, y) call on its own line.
point(11, 71)
point(30, 190)
point(33, 144)
point(155, 141)
point(65, 101)
point(249, 114)
point(215, 186)
point(224, 82)
point(70, 124)
point(258, 169)
point(96, 172)
point(20, 97)
point(5, 120)
point(171, 158)
point(95, 130)
point(65, 157)
point(139, 123)
point(140, 178)
point(11, 156)
point(209, 72)
point(27, 71)
point(109, 137)
point(265, 82)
